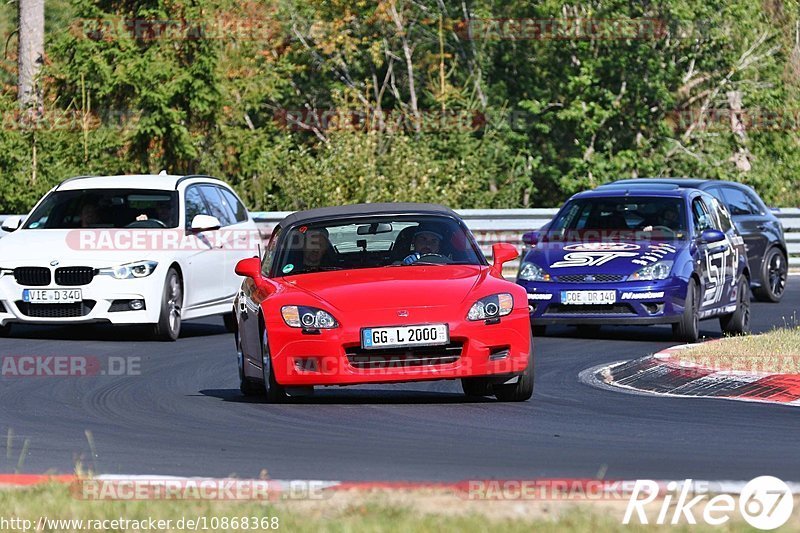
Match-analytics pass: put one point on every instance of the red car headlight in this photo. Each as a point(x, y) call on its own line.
point(493, 306)
point(300, 316)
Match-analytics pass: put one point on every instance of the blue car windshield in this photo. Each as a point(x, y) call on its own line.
point(606, 218)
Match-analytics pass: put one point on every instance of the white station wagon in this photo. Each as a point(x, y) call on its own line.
point(138, 249)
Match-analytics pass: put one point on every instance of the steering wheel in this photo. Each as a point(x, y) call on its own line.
point(441, 259)
point(149, 223)
point(665, 228)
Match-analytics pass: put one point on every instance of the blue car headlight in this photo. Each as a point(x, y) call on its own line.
point(300, 316)
point(652, 272)
point(532, 272)
point(493, 306)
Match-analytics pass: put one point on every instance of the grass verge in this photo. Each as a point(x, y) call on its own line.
point(776, 351)
point(403, 510)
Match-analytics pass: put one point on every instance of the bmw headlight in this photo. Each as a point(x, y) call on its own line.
point(532, 272)
point(493, 306)
point(300, 316)
point(652, 272)
point(138, 269)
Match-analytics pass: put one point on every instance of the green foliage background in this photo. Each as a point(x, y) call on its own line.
point(554, 116)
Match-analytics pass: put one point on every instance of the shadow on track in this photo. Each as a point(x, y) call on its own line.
point(625, 333)
point(107, 332)
point(355, 396)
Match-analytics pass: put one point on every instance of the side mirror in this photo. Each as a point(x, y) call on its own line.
point(249, 268)
point(12, 223)
point(531, 238)
point(205, 223)
point(712, 235)
point(502, 253)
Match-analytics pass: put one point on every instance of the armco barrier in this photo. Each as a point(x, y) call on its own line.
point(507, 225)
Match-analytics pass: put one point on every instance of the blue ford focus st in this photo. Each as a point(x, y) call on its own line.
point(666, 255)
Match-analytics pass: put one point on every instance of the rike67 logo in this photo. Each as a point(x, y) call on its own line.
point(765, 503)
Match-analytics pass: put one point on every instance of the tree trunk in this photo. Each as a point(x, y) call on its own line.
point(31, 52)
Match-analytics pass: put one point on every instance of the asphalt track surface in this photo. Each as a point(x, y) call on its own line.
point(183, 415)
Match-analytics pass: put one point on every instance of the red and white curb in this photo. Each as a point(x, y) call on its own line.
point(665, 374)
point(477, 489)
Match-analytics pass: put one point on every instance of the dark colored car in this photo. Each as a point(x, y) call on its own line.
point(756, 223)
point(635, 257)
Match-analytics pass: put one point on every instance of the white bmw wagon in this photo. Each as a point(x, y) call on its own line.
point(128, 250)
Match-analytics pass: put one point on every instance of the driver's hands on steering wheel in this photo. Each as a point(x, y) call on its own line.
point(416, 256)
point(411, 259)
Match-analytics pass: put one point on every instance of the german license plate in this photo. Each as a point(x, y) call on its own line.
point(52, 296)
point(401, 336)
point(588, 297)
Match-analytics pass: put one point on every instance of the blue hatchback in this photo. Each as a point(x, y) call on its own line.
point(665, 255)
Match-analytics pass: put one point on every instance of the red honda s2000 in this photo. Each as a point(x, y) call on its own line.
point(381, 293)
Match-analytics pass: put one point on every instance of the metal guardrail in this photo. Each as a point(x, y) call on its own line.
point(491, 226)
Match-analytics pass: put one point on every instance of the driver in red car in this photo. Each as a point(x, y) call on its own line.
point(425, 242)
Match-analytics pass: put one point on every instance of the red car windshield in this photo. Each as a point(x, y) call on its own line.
point(375, 242)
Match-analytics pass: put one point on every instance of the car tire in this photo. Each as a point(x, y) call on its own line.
point(247, 386)
point(5, 331)
point(738, 322)
point(539, 331)
point(168, 327)
point(520, 391)
point(688, 328)
point(270, 388)
point(774, 272)
point(476, 387)
point(229, 319)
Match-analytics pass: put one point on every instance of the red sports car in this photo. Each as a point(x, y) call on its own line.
point(380, 293)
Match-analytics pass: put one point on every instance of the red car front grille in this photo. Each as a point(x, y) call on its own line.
point(404, 357)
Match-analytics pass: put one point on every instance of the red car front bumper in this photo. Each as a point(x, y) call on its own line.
point(335, 356)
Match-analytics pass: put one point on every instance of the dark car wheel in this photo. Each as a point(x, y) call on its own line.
point(688, 329)
point(774, 270)
point(247, 386)
point(520, 391)
point(5, 331)
point(229, 319)
point(476, 387)
point(539, 331)
point(273, 391)
point(168, 327)
point(738, 322)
